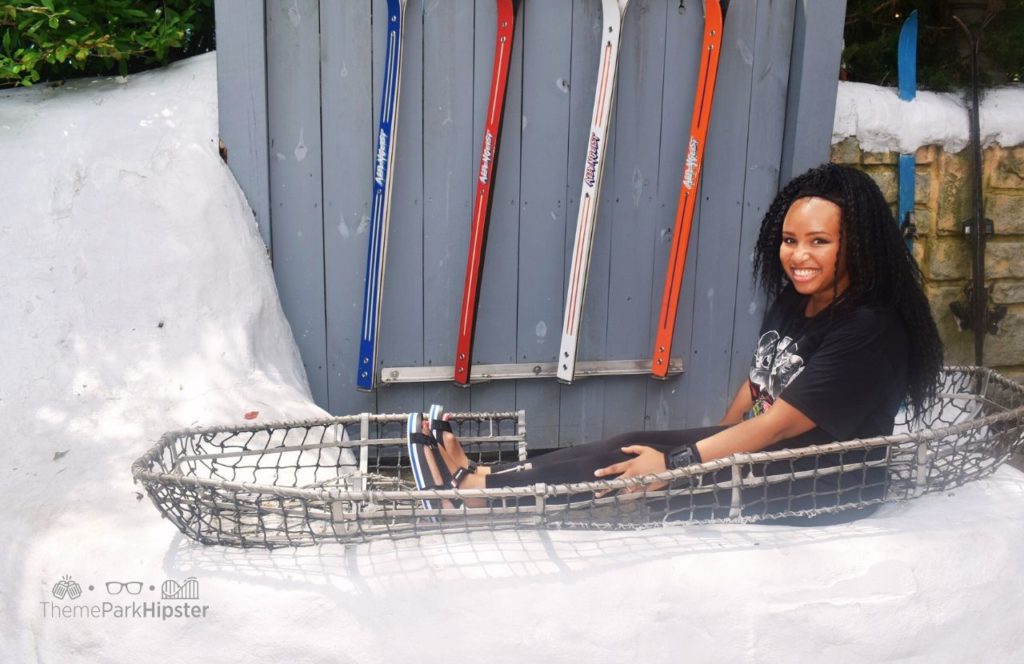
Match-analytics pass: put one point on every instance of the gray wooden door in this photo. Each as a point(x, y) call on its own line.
point(299, 95)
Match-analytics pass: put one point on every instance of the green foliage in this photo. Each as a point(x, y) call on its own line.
point(872, 33)
point(46, 40)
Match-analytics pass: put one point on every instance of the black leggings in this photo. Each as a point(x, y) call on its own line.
point(577, 464)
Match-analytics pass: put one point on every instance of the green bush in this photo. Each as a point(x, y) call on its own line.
point(872, 34)
point(49, 40)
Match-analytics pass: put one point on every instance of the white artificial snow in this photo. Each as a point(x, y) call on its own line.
point(882, 122)
point(137, 298)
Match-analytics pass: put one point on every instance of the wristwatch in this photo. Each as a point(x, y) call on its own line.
point(686, 455)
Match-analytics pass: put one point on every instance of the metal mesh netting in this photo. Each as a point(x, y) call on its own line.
point(348, 479)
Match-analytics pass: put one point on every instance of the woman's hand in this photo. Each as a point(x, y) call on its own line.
point(648, 461)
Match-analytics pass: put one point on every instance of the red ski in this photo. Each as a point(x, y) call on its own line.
point(710, 52)
point(485, 176)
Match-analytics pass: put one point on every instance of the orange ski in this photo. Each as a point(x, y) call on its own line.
point(710, 52)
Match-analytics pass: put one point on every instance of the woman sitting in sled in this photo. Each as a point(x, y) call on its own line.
point(847, 339)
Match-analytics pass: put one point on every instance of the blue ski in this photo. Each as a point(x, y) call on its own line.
point(907, 73)
point(380, 214)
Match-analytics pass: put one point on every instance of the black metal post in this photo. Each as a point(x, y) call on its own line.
point(979, 304)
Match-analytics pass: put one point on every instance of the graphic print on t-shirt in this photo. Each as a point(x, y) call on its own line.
point(776, 364)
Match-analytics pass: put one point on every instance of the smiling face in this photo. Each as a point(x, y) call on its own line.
point(811, 251)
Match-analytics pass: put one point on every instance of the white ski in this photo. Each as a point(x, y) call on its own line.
point(612, 13)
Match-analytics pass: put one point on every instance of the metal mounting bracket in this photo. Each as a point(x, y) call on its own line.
point(485, 373)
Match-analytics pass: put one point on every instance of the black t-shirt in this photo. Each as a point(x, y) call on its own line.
point(844, 368)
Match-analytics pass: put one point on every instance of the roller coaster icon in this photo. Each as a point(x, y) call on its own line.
point(188, 589)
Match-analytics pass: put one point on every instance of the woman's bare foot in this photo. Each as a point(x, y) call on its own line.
point(453, 448)
point(455, 458)
point(454, 452)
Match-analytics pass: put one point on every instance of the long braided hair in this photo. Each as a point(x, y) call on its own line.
point(879, 265)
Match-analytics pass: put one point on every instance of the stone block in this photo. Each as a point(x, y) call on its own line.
point(954, 195)
point(949, 258)
point(922, 186)
point(1008, 292)
point(887, 181)
point(846, 151)
point(880, 158)
point(1006, 347)
point(920, 250)
point(925, 220)
point(1004, 167)
point(1017, 374)
point(1004, 260)
point(959, 344)
point(1006, 210)
point(927, 154)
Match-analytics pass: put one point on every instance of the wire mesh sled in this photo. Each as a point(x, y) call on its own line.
point(348, 479)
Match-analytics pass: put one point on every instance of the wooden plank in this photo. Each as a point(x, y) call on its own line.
point(580, 412)
point(718, 234)
point(293, 76)
point(401, 331)
point(593, 344)
point(337, 54)
point(665, 399)
point(346, 89)
point(594, 322)
point(242, 101)
point(497, 311)
point(814, 80)
point(547, 58)
point(764, 151)
point(631, 184)
point(450, 155)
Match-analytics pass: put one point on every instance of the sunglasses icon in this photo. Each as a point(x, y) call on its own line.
point(131, 587)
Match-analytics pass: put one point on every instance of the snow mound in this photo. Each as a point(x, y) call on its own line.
point(138, 298)
point(881, 122)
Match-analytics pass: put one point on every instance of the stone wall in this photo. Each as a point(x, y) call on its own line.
point(943, 202)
